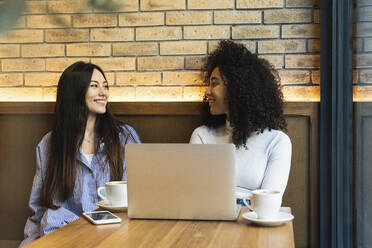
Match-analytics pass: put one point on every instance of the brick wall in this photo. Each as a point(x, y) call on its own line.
point(152, 49)
point(362, 73)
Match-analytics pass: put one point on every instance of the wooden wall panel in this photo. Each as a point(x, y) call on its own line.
point(163, 129)
point(363, 173)
point(298, 192)
point(19, 135)
point(22, 125)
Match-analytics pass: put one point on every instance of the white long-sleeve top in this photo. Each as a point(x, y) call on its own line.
point(264, 164)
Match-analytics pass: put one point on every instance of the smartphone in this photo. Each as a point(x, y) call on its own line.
point(101, 217)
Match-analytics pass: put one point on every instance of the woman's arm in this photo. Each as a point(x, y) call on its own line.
point(44, 220)
point(196, 137)
point(127, 136)
point(278, 165)
point(32, 227)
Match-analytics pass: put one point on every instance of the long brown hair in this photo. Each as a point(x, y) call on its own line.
point(67, 135)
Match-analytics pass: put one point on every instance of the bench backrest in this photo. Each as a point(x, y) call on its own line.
point(22, 125)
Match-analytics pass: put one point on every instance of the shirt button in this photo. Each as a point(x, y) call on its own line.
point(93, 200)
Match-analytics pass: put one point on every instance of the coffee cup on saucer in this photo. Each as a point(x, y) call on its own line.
point(115, 193)
point(265, 202)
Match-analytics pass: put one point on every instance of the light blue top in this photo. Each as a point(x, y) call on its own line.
point(90, 176)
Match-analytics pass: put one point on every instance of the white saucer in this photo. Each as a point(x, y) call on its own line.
point(107, 206)
point(282, 218)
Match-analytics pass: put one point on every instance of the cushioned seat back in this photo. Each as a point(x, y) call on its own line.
point(155, 123)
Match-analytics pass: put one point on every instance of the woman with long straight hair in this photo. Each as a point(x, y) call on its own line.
point(84, 150)
point(244, 106)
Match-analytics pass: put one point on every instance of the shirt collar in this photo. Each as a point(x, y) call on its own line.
point(80, 157)
point(228, 127)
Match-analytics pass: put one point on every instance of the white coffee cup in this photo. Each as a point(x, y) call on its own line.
point(265, 202)
point(115, 193)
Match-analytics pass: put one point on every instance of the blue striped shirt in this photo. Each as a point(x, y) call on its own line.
point(90, 176)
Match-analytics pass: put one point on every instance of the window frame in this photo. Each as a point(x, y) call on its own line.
point(336, 224)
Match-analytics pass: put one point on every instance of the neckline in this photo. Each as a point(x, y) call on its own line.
point(228, 126)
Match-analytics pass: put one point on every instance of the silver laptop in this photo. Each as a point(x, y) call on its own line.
point(181, 181)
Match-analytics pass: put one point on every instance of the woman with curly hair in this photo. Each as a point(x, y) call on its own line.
point(244, 106)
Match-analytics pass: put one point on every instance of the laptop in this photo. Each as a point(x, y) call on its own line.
point(181, 181)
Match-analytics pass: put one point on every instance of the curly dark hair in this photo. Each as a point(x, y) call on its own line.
point(255, 100)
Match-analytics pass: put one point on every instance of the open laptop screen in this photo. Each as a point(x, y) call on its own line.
point(181, 181)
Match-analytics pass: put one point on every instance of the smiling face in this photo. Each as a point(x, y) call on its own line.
point(217, 94)
point(97, 93)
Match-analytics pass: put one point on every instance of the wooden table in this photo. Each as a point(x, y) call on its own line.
point(169, 233)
